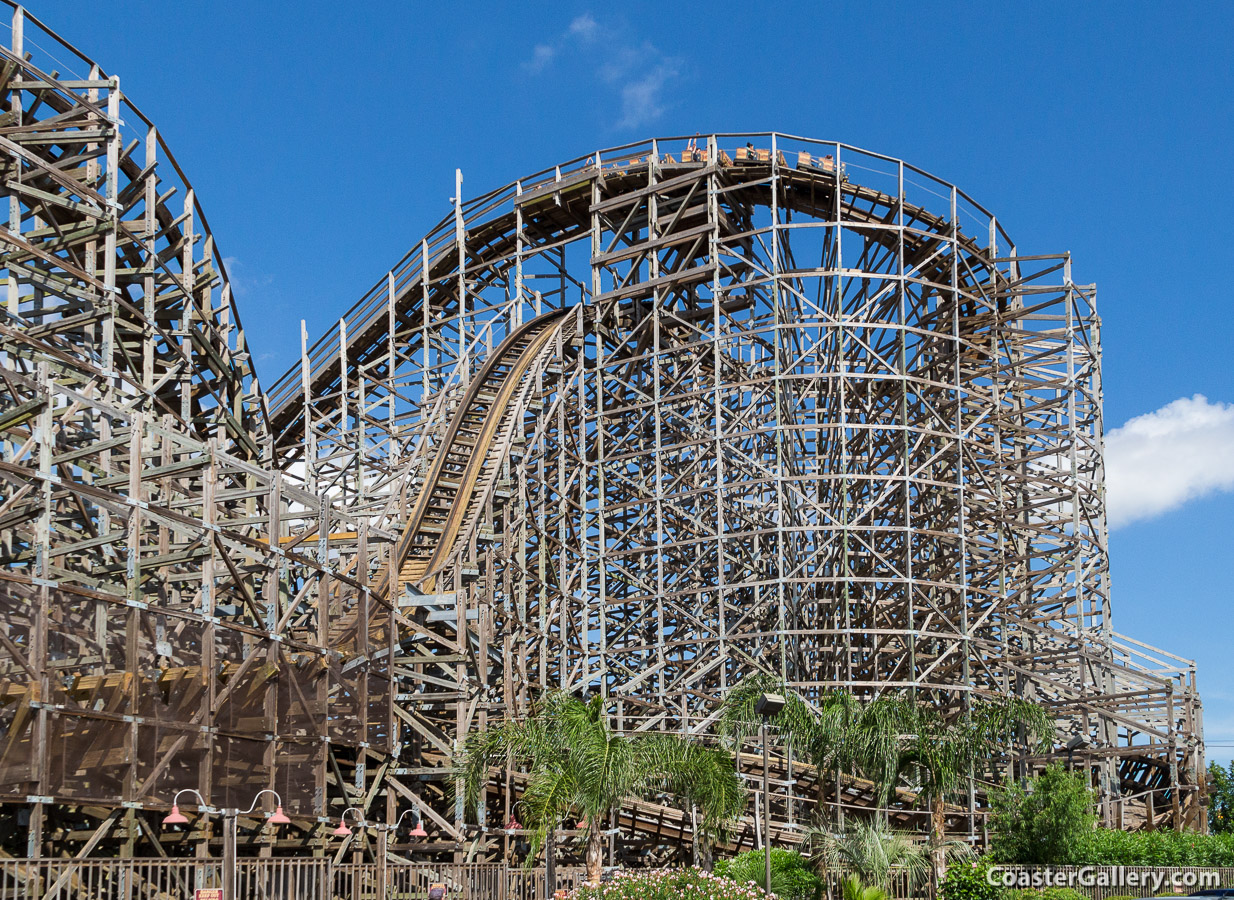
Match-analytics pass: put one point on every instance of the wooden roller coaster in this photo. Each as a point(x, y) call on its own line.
point(641, 424)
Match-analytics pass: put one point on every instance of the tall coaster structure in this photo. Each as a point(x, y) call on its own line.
point(641, 424)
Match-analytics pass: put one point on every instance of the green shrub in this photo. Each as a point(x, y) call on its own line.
point(967, 881)
point(667, 884)
point(1049, 893)
point(1105, 847)
point(1049, 824)
point(792, 878)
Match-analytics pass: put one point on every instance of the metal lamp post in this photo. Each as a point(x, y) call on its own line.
point(767, 705)
point(230, 816)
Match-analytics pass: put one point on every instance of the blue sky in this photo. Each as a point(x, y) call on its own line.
point(322, 139)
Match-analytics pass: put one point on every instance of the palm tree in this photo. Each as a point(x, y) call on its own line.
point(872, 853)
point(876, 738)
point(891, 735)
point(944, 751)
point(821, 730)
point(868, 850)
point(577, 764)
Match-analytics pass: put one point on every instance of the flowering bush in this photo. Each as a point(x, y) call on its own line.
point(668, 884)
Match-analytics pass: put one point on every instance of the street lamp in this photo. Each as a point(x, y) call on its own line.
point(230, 816)
point(1076, 743)
point(767, 705)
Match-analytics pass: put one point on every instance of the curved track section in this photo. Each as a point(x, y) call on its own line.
point(813, 185)
point(465, 467)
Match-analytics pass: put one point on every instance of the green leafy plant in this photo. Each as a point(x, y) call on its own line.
point(1105, 847)
point(576, 764)
point(968, 880)
point(871, 851)
point(855, 889)
point(1051, 823)
point(791, 875)
point(668, 884)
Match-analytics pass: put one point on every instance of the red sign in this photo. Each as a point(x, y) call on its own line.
point(208, 894)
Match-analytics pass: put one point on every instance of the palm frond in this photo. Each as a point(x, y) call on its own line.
point(877, 741)
point(547, 799)
point(853, 889)
point(704, 776)
point(819, 728)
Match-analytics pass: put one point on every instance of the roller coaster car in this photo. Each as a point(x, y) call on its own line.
point(820, 164)
point(758, 156)
point(693, 154)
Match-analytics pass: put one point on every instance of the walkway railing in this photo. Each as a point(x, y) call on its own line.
point(321, 879)
point(270, 879)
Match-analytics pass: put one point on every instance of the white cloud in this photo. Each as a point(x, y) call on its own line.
point(637, 73)
point(585, 28)
point(541, 56)
point(642, 99)
point(1158, 461)
point(244, 281)
point(622, 60)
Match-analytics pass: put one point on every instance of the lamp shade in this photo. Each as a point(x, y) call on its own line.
point(418, 831)
point(279, 817)
point(769, 705)
point(342, 830)
point(175, 817)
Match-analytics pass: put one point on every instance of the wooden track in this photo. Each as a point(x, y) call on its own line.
point(811, 190)
point(663, 821)
point(467, 463)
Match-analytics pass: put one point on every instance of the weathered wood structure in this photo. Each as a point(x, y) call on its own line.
point(641, 424)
